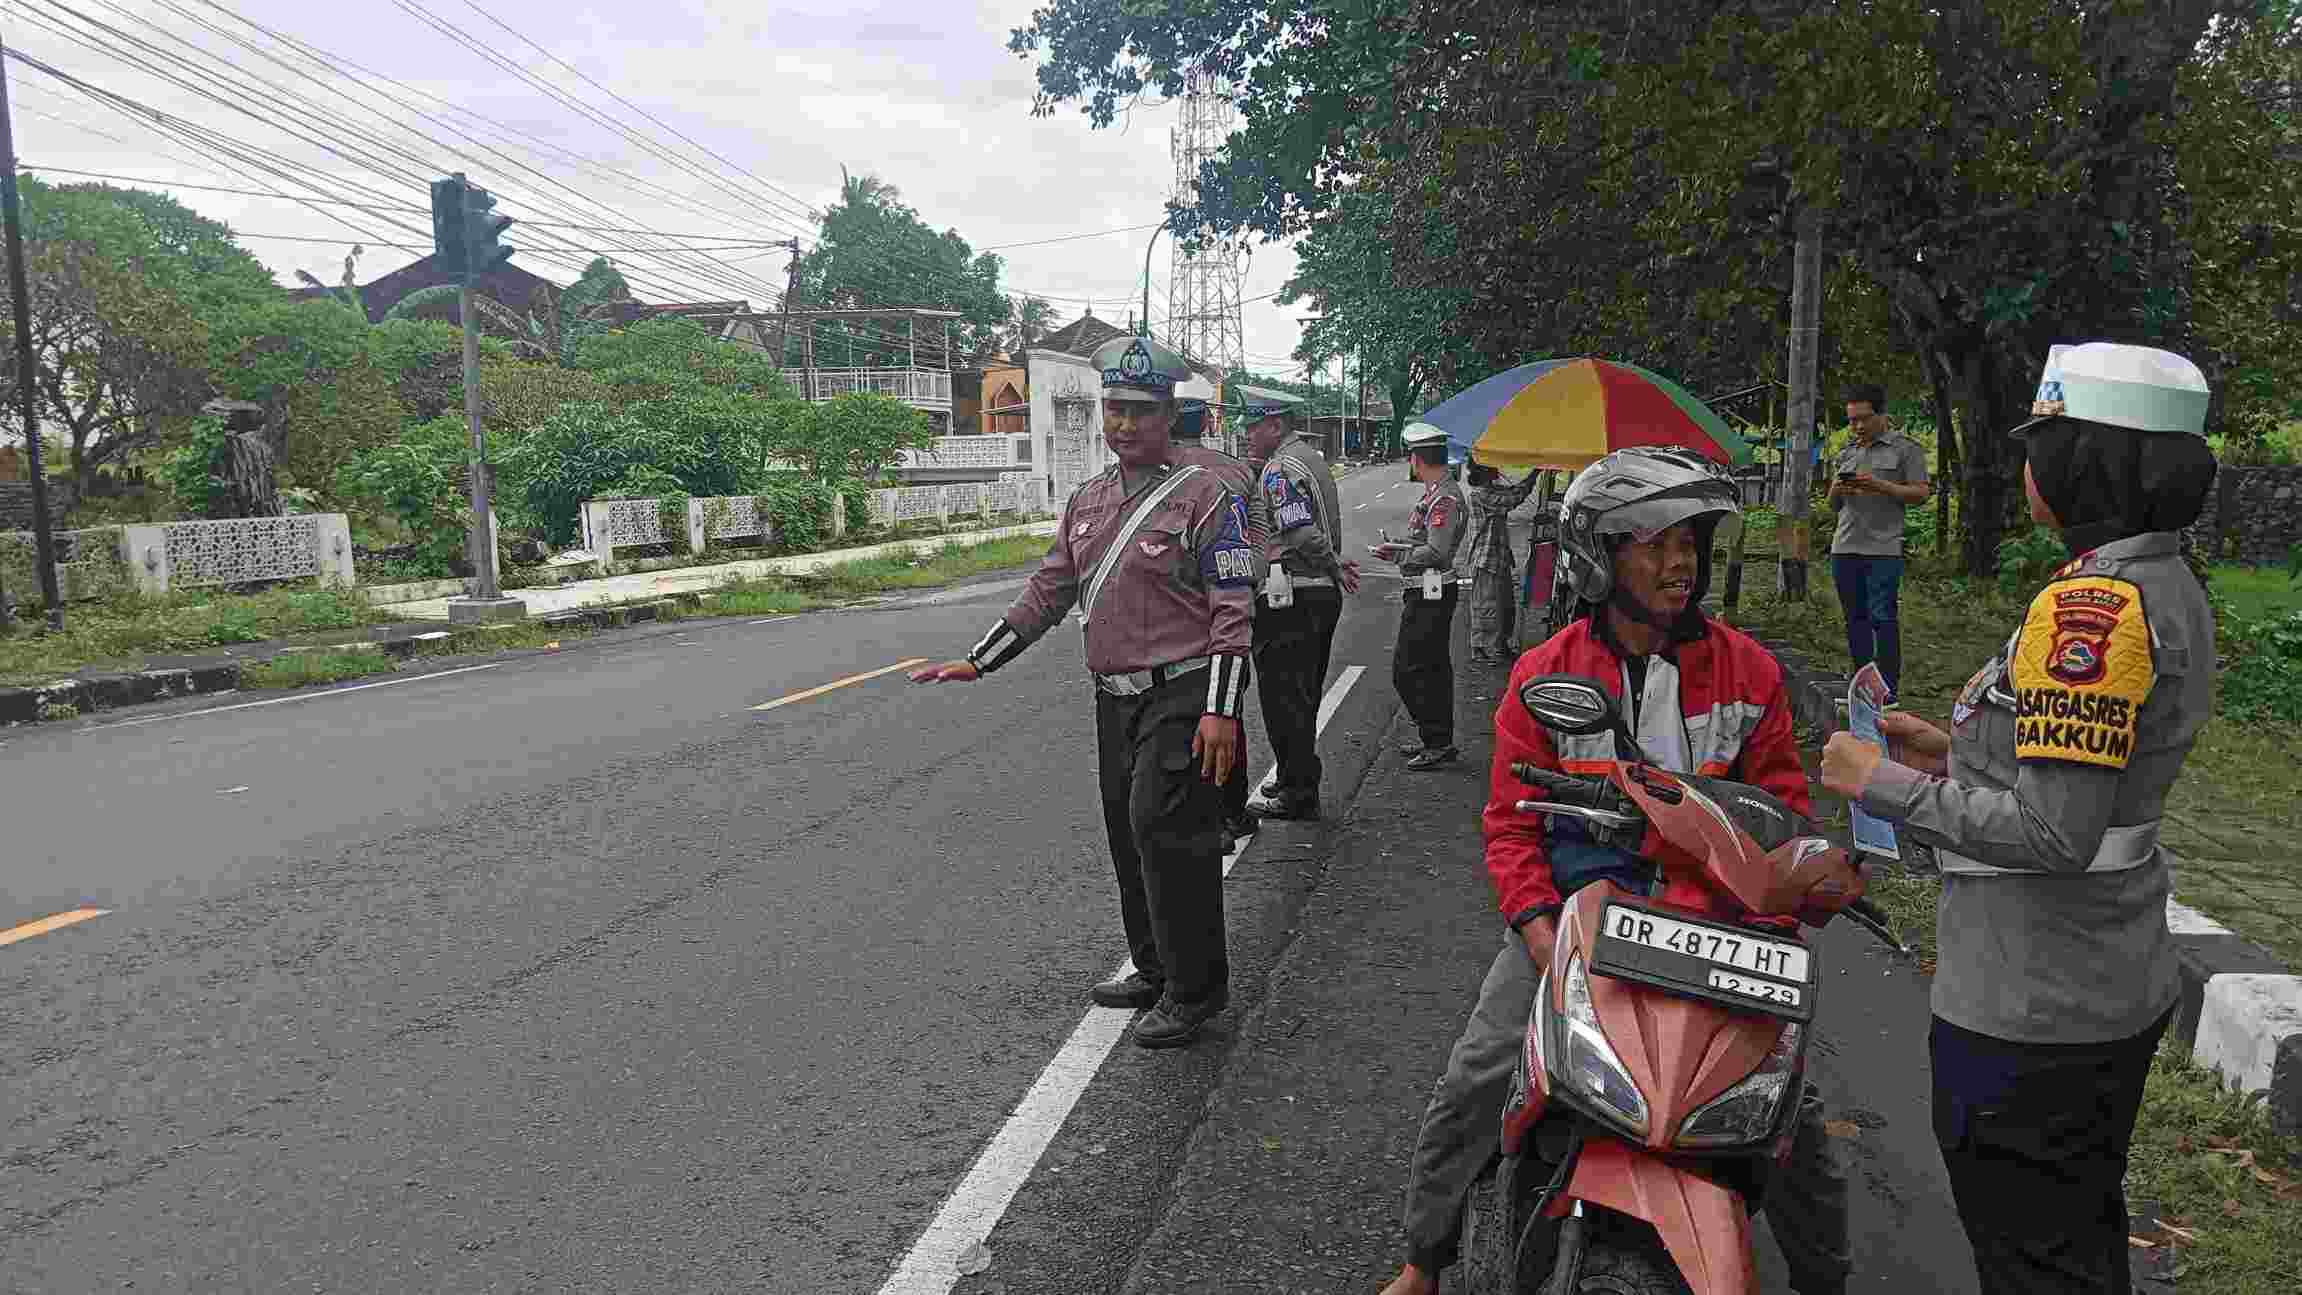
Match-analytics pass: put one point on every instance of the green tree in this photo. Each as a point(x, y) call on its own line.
point(117, 336)
point(852, 438)
point(874, 251)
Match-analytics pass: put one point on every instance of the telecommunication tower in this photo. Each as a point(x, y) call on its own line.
point(1204, 320)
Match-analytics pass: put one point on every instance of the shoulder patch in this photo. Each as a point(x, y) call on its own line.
point(2082, 669)
point(1442, 508)
point(1229, 560)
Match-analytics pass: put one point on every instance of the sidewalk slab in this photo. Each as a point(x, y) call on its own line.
point(578, 594)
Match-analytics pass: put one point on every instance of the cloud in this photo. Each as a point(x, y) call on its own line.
point(924, 95)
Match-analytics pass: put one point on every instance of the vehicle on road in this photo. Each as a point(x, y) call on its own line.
point(1665, 1058)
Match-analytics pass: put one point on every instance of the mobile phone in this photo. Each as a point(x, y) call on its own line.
point(1847, 475)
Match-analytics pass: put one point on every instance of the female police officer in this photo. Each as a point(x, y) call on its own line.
point(2056, 973)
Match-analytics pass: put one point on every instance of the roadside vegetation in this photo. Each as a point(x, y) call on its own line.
point(124, 631)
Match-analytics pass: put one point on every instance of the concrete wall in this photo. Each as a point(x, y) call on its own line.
point(2254, 515)
point(15, 505)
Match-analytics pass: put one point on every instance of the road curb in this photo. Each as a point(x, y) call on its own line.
point(87, 693)
point(2241, 1008)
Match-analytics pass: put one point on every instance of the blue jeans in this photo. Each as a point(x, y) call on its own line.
point(1869, 590)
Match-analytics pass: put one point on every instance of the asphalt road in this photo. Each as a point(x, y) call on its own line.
point(575, 972)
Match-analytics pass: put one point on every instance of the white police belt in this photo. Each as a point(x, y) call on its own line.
point(1309, 582)
point(2123, 849)
point(1143, 681)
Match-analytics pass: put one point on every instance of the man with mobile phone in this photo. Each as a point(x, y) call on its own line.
point(1881, 475)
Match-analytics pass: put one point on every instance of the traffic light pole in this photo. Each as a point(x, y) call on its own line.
point(482, 540)
point(464, 235)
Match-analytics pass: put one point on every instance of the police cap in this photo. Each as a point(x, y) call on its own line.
point(2138, 387)
point(1138, 368)
point(1420, 434)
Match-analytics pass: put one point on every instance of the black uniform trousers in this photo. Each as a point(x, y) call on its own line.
point(1423, 663)
point(1292, 647)
point(2035, 1137)
point(1165, 823)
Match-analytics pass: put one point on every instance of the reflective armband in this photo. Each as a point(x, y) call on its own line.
point(1520, 919)
point(1226, 686)
point(998, 647)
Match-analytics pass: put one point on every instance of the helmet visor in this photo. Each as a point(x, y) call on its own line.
point(1647, 518)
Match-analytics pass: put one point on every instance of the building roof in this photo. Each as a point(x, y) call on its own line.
point(1081, 336)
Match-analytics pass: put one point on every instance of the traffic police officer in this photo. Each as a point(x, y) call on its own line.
point(1191, 448)
point(1301, 605)
point(1422, 666)
point(1155, 556)
point(2056, 974)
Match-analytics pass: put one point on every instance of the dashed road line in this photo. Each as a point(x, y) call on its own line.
point(302, 696)
point(836, 684)
point(56, 922)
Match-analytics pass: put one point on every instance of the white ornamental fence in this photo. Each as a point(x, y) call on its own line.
point(243, 550)
point(611, 524)
point(1015, 492)
point(999, 451)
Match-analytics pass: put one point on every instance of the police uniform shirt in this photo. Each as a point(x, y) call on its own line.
point(1306, 511)
point(1435, 530)
point(1183, 588)
point(2063, 749)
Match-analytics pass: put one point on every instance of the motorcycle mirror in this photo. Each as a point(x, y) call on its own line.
point(1569, 703)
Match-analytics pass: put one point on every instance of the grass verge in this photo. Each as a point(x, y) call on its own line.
point(121, 631)
point(2230, 1189)
point(928, 566)
point(304, 669)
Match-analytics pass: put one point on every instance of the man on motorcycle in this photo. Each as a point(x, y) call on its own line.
point(1704, 699)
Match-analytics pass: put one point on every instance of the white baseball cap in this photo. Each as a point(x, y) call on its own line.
point(2140, 387)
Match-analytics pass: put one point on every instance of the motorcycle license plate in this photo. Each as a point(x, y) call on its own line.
point(1728, 965)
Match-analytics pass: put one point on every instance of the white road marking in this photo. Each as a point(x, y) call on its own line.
point(976, 1205)
point(282, 701)
point(775, 620)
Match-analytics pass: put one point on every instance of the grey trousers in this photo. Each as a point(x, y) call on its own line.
point(1805, 1204)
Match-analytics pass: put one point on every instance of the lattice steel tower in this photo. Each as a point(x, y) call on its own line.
point(1204, 320)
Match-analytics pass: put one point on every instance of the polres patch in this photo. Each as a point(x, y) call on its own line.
point(1230, 559)
point(2081, 671)
point(1442, 508)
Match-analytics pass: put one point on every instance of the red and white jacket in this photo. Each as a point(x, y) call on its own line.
point(1737, 725)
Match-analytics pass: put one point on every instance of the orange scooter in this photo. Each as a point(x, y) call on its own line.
point(1666, 1054)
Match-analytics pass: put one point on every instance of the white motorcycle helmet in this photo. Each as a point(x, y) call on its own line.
point(1640, 491)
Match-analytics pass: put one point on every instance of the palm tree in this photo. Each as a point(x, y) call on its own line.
point(1034, 317)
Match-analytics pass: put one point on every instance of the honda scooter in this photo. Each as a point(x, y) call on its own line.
point(1665, 1057)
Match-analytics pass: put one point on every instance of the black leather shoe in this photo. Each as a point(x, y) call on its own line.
point(1131, 990)
point(1244, 825)
point(1285, 805)
point(1435, 756)
point(1172, 1024)
point(1410, 748)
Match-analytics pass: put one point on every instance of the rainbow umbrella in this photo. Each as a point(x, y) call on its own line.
point(1566, 414)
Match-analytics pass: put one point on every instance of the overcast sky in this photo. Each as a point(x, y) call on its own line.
point(923, 94)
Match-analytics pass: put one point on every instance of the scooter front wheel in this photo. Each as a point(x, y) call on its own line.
point(1610, 1267)
point(1494, 1217)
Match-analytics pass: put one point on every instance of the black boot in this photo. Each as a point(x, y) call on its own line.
point(1132, 990)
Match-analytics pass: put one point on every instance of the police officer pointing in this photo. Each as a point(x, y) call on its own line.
point(1302, 603)
point(1423, 666)
point(1155, 556)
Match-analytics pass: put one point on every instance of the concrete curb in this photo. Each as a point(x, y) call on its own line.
point(26, 705)
point(2241, 1008)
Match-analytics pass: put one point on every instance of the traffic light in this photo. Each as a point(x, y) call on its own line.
point(448, 250)
point(484, 249)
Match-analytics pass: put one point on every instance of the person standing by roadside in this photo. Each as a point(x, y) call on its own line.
point(2056, 974)
point(1155, 556)
point(1422, 664)
point(1881, 474)
point(1302, 604)
point(1494, 596)
point(1191, 448)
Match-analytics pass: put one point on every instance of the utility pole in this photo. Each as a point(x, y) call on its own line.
point(790, 302)
point(466, 241)
point(1362, 400)
point(27, 367)
point(1798, 455)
